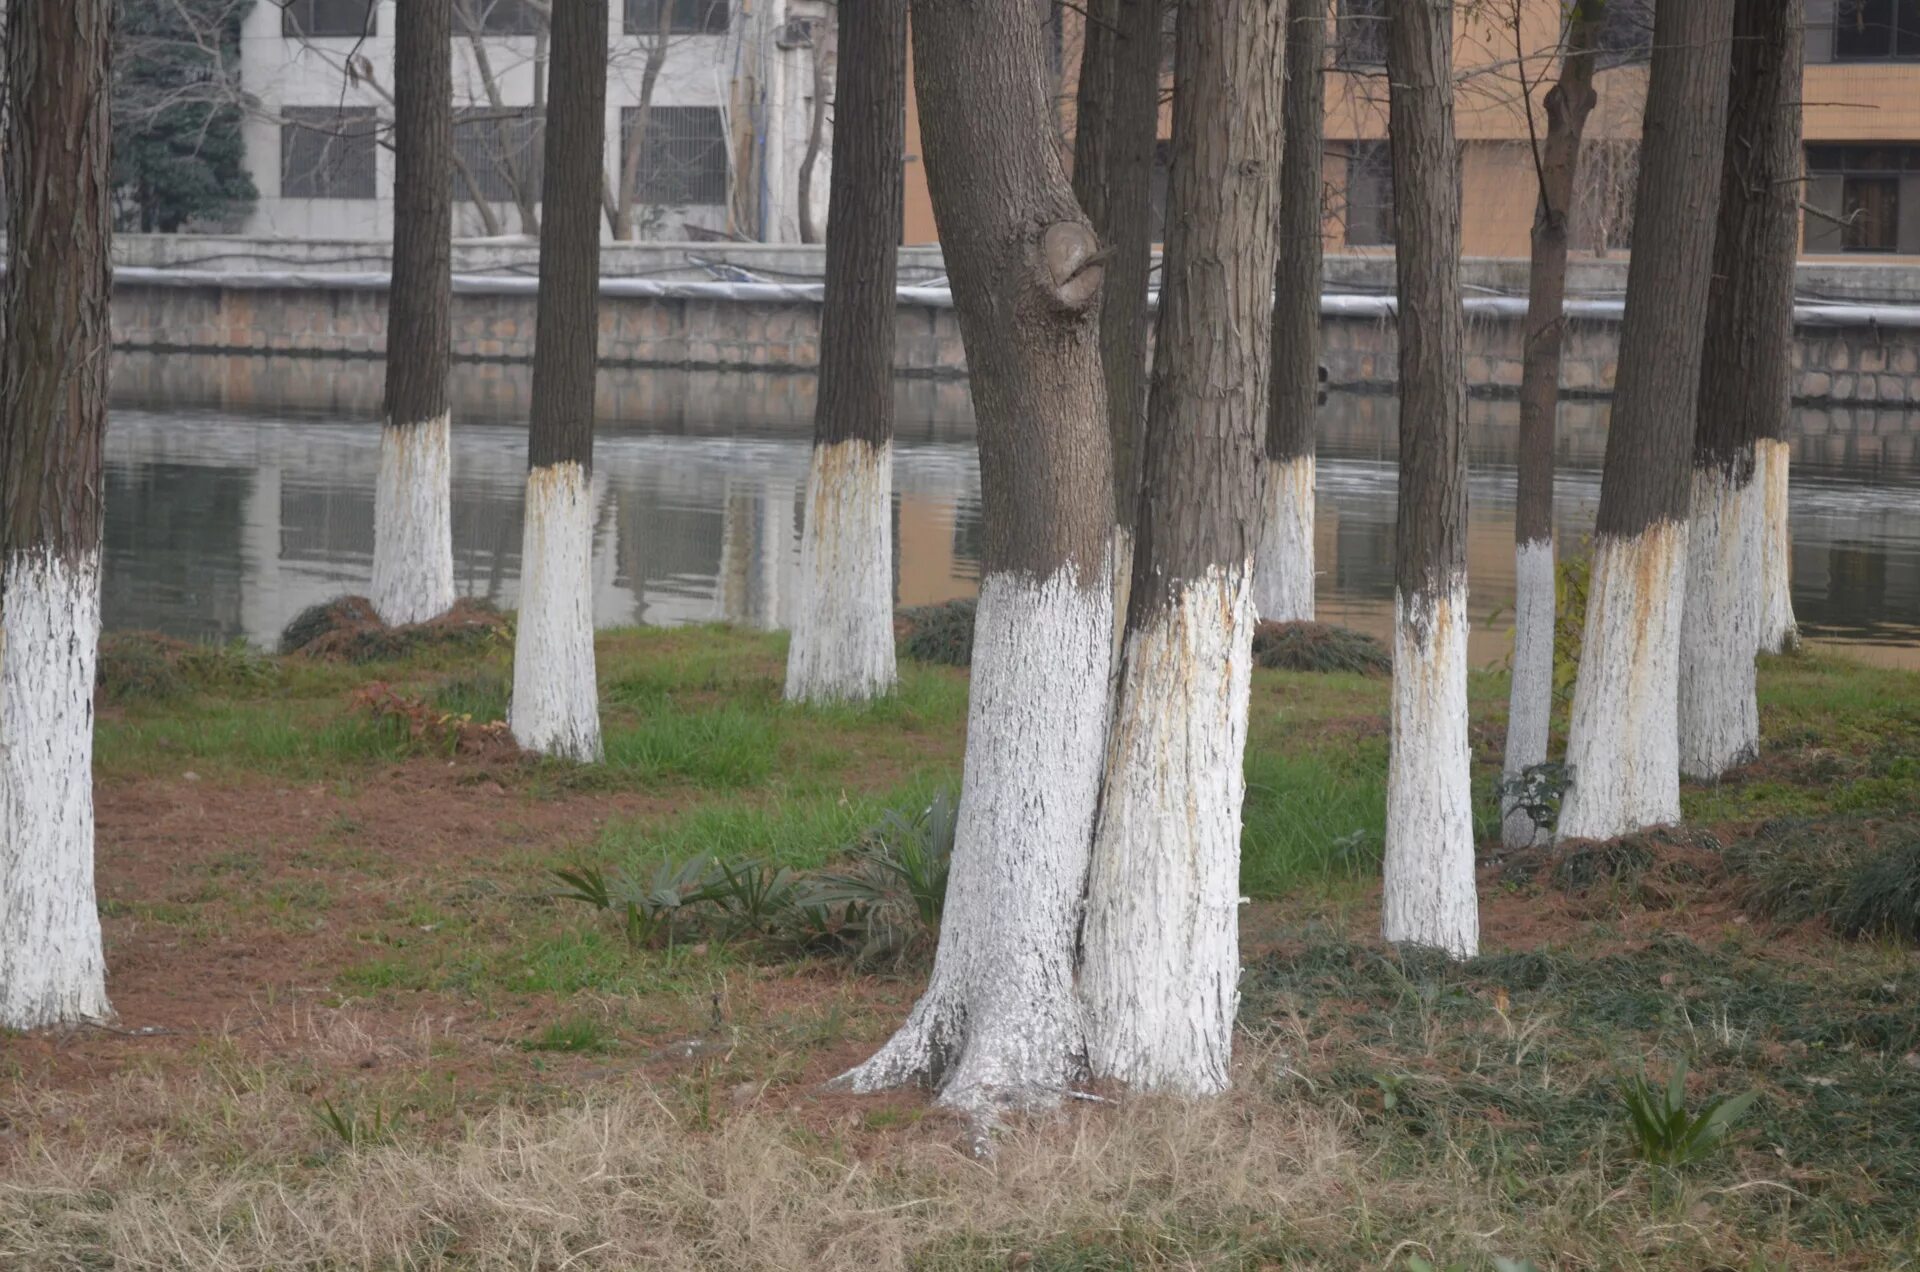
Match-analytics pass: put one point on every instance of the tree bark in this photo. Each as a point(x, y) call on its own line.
point(1623, 745)
point(413, 516)
point(998, 1024)
point(1161, 942)
point(1746, 387)
point(1428, 893)
point(1530, 700)
point(842, 645)
point(53, 414)
point(555, 707)
point(1283, 569)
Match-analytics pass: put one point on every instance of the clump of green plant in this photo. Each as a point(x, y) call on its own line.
point(1319, 647)
point(1538, 791)
point(351, 1128)
point(1882, 896)
point(149, 667)
point(649, 910)
point(1794, 869)
point(577, 1035)
point(1664, 1132)
point(937, 633)
point(1614, 861)
point(348, 629)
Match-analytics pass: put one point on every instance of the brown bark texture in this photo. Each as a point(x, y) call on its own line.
point(1295, 395)
point(1568, 103)
point(1430, 550)
point(863, 225)
point(566, 318)
point(1646, 479)
point(420, 302)
point(1208, 405)
point(56, 342)
point(1746, 378)
point(1117, 127)
point(1026, 287)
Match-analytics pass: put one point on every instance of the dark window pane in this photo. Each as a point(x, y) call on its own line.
point(326, 17)
point(495, 17)
point(327, 153)
point(1871, 207)
point(1362, 38)
point(1906, 40)
point(1369, 211)
point(682, 17)
point(1863, 28)
point(683, 156)
point(500, 154)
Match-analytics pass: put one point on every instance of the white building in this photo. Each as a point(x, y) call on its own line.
point(728, 116)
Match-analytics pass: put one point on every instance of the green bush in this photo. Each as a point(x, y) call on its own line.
point(1882, 896)
point(937, 633)
point(149, 667)
point(1319, 647)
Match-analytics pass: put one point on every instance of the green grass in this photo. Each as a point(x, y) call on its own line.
point(580, 1035)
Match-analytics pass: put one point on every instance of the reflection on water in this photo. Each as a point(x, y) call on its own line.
point(241, 490)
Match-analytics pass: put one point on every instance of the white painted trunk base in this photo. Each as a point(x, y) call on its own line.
point(1719, 718)
point(556, 707)
point(1623, 746)
point(1160, 949)
point(999, 1025)
point(1530, 702)
point(52, 969)
point(842, 644)
point(413, 522)
point(1779, 632)
point(1427, 895)
point(1283, 554)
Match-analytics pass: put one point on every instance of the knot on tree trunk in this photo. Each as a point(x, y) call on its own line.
point(1075, 264)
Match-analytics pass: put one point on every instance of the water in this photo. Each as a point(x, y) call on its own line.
point(241, 490)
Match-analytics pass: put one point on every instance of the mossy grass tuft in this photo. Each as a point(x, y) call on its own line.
point(1319, 647)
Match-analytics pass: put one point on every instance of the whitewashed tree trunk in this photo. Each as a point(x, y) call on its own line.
point(842, 645)
point(413, 522)
point(1719, 717)
point(1429, 898)
point(1161, 942)
point(1778, 630)
point(555, 709)
point(51, 966)
point(999, 1026)
point(1283, 566)
point(1623, 745)
point(1530, 711)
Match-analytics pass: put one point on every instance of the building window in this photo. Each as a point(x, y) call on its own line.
point(1361, 42)
point(1369, 202)
point(1869, 30)
point(1863, 199)
point(301, 18)
point(682, 17)
point(683, 156)
point(495, 17)
point(1625, 37)
point(327, 153)
point(498, 156)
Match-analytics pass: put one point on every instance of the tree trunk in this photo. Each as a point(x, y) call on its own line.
point(412, 502)
point(999, 1024)
point(555, 704)
point(1624, 742)
point(842, 646)
point(1778, 632)
point(1746, 387)
point(53, 415)
point(1116, 130)
point(1530, 701)
point(1161, 942)
point(1428, 895)
point(824, 73)
point(635, 140)
point(1283, 569)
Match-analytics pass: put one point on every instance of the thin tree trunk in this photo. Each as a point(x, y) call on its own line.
point(842, 645)
point(412, 506)
point(555, 704)
point(998, 1023)
point(1746, 387)
point(1530, 700)
point(1428, 895)
point(1283, 569)
point(1773, 457)
point(1161, 942)
point(823, 86)
point(509, 160)
point(635, 140)
point(1623, 745)
point(53, 415)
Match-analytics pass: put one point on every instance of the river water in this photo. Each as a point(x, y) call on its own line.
point(240, 490)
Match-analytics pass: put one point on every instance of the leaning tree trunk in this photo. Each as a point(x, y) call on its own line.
point(1283, 560)
point(1530, 700)
point(1161, 945)
point(999, 1023)
point(53, 415)
point(1428, 896)
point(412, 497)
point(1116, 129)
point(1746, 388)
point(1777, 630)
point(1623, 747)
point(824, 76)
point(842, 645)
point(555, 703)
